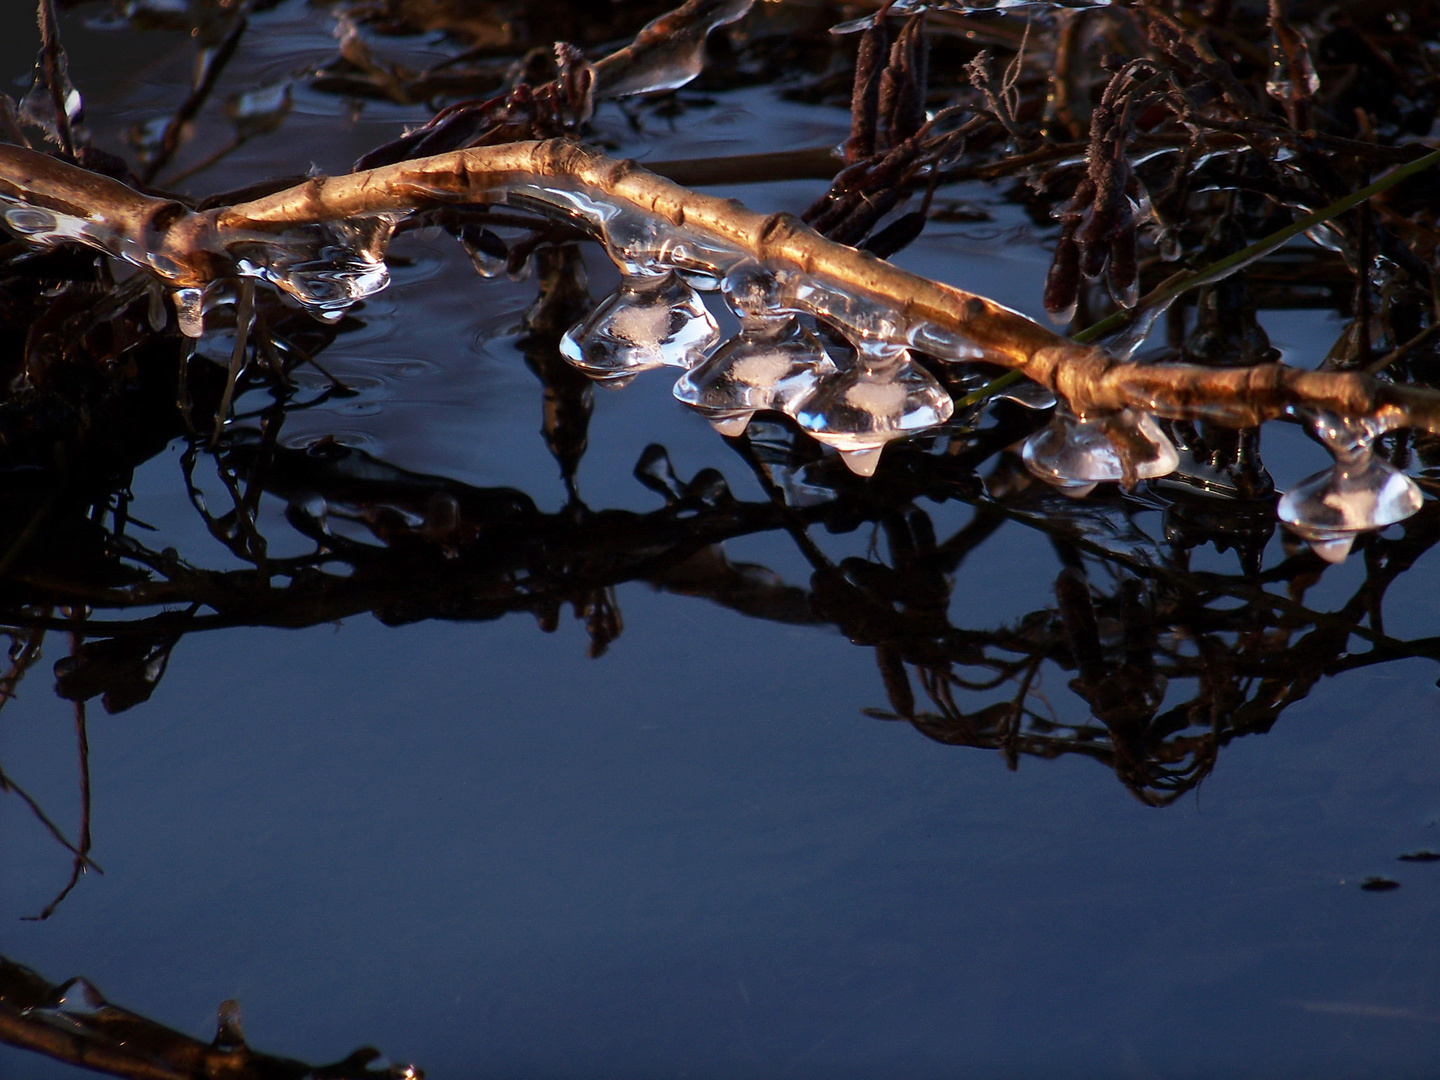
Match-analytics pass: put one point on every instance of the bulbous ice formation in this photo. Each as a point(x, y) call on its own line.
point(1074, 452)
point(771, 364)
point(880, 397)
point(647, 323)
point(1360, 493)
point(328, 266)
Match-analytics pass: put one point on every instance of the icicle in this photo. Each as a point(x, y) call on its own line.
point(1292, 73)
point(190, 311)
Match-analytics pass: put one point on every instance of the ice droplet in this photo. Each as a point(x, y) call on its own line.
point(1360, 493)
point(1292, 73)
point(644, 324)
point(767, 366)
point(862, 462)
point(75, 1001)
point(1072, 452)
point(634, 242)
point(731, 427)
point(488, 253)
point(190, 311)
point(1333, 551)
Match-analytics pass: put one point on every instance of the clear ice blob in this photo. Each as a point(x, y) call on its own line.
point(758, 291)
point(944, 344)
point(646, 323)
point(1361, 493)
point(676, 54)
point(860, 318)
point(754, 292)
point(328, 266)
point(634, 243)
point(882, 396)
point(1072, 452)
point(766, 366)
point(1292, 73)
point(573, 201)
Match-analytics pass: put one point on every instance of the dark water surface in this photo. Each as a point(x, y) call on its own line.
point(469, 844)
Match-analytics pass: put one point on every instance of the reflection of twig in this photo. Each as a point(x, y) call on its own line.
point(6, 784)
point(208, 74)
point(24, 652)
point(82, 852)
point(94, 1034)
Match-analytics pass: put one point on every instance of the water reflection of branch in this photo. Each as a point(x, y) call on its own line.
point(405, 547)
point(72, 1023)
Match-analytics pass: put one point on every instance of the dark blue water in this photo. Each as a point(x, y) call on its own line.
point(476, 848)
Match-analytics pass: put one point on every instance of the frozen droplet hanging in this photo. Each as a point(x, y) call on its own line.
point(646, 323)
point(1074, 452)
point(880, 397)
point(327, 266)
point(1360, 493)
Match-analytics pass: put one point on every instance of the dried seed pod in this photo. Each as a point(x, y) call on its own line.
point(903, 85)
point(1062, 283)
point(865, 98)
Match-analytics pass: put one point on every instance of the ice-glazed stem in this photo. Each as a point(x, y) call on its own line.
point(189, 248)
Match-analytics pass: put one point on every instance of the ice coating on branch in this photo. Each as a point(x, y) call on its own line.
point(1074, 452)
point(670, 51)
point(966, 7)
point(585, 208)
point(639, 245)
point(39, 105)
point(326, 267)
point(77, 1000)
point(1362, 492)
point(646, 323)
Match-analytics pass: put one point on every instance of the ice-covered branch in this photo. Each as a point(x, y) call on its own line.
point(323, 241)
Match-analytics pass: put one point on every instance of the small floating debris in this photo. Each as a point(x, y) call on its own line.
point(1379, 884)
point(1423, 855)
